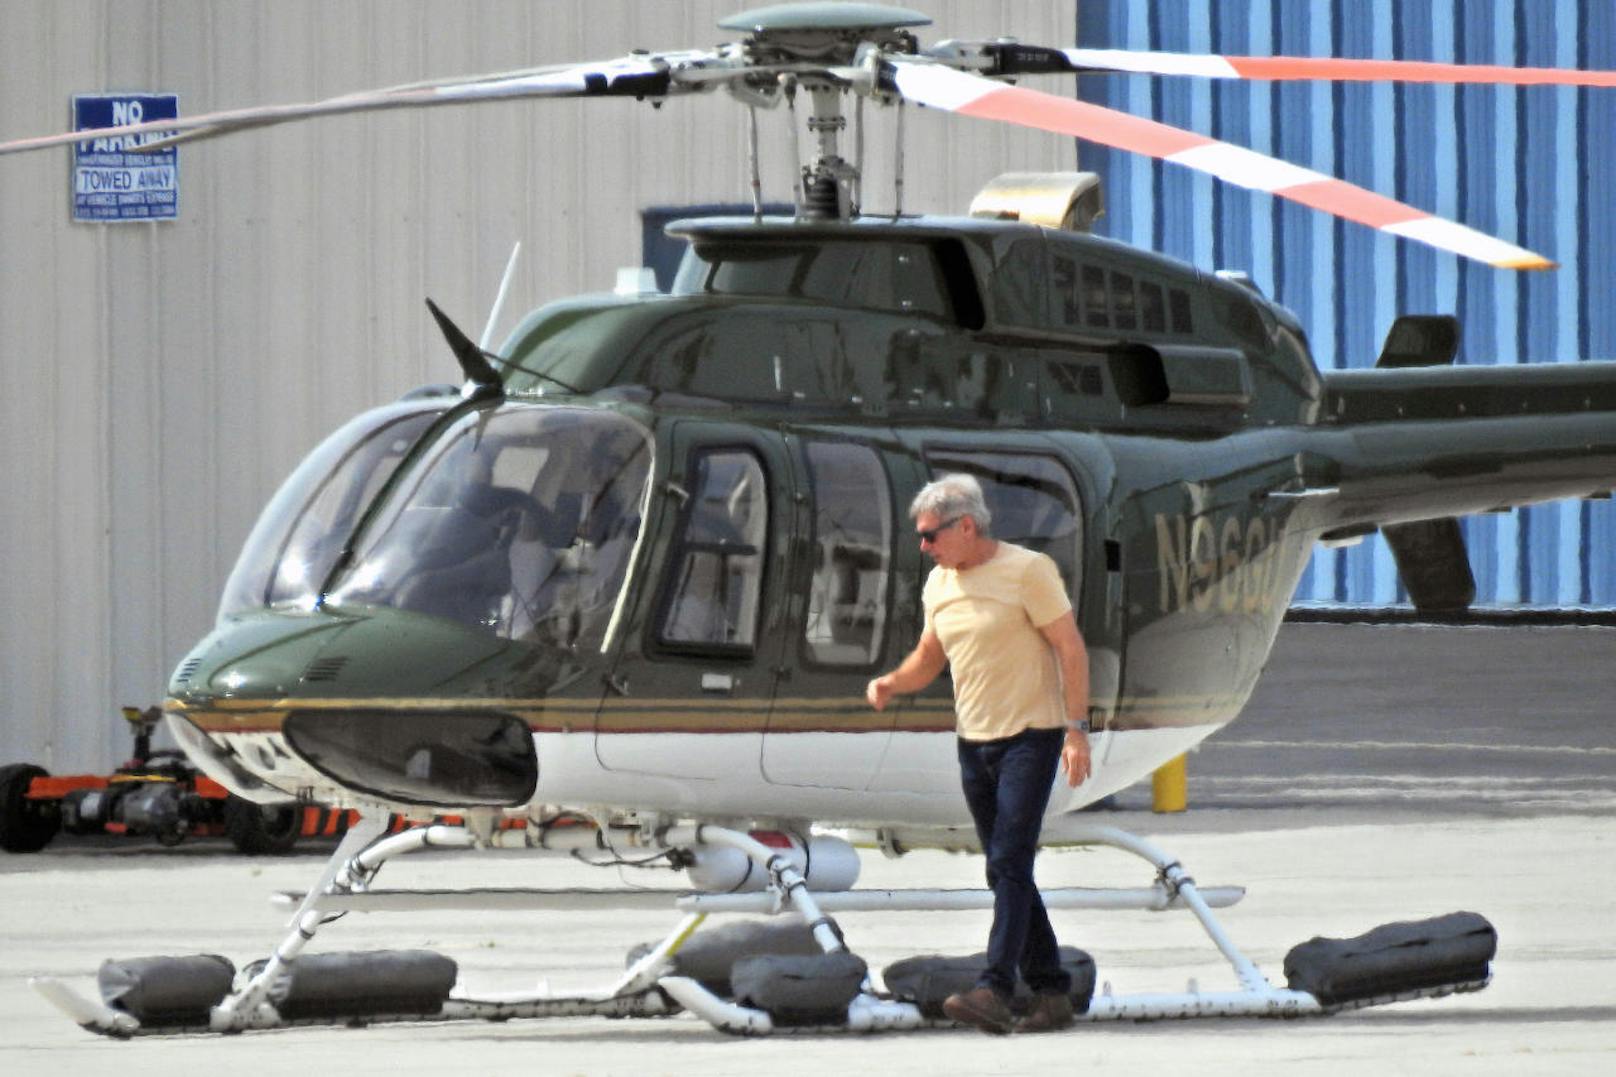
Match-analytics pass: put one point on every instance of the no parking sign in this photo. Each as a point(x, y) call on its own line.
point(112, 182)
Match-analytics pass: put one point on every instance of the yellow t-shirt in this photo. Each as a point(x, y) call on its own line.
point(987, 618)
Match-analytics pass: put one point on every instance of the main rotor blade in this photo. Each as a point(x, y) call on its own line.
point(1334, 69)
point(933, 84)
point(631, 76)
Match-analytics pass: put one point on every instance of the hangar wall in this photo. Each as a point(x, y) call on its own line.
point(161, 378)
point(1531, 165)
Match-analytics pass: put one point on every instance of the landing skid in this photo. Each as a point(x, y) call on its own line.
point(650, 987)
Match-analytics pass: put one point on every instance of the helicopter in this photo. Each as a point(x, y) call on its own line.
point(626, 580)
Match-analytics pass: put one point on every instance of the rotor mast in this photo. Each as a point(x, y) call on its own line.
point(825, 50)
point(829, 182)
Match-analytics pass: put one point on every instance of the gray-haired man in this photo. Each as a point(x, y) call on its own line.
point(998, 615)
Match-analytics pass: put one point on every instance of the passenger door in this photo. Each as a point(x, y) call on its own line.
point(1033, 498)
point(690, 690)
point(821, 731)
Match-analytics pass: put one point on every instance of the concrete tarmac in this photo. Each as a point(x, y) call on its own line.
point(1380, 774)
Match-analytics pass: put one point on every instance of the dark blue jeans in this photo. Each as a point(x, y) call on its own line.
point(1007, 785)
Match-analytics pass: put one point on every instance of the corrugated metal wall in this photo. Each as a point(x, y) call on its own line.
point(161, 379)
point(1531, 165)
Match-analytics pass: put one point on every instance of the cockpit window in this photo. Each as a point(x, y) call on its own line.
point(296, 541)
point(519, 521)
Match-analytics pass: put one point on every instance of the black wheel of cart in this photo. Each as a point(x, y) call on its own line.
point(26, 826)
point(261, 830)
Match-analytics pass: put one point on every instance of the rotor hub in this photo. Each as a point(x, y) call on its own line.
point(825, 33)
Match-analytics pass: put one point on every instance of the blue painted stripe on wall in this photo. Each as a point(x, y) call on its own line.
point(1527, 164)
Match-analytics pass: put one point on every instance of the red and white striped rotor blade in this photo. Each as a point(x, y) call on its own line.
point(971, 95)
point(1332, 69)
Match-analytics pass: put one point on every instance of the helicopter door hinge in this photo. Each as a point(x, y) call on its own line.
point(616, 683)
point(677, 491)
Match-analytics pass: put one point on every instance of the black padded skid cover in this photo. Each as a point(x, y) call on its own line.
point(363, 984)
point(709, 956)
point(927, 981)
point(165, 991)
point(800, 989)
point(1394, 958)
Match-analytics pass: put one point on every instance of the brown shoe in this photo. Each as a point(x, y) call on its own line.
point(982, 1008)
point(1048, 1013)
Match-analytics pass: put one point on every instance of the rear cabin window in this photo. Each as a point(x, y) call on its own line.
point(1033, 501)
point(852, 544)
point(1122, 302)
point(1090, 296)
point(1152, 311)
point(1096, 298)
point(1179, 301)
point(1068, 302)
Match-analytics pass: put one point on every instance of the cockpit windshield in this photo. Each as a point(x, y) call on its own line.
point(298, 537)
point(519, 521)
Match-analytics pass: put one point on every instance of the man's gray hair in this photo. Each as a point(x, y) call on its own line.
point(950, 496)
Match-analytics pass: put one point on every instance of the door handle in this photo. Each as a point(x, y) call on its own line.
point(718, 682)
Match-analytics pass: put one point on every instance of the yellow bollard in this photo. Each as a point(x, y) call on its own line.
point(1169, 786)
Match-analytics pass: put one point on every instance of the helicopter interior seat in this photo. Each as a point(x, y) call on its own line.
point(543, 562)
point(456, 572)
point(708, 604)
point(463, 567)
point(842, 606)
point(858, 583)
point(558, 525)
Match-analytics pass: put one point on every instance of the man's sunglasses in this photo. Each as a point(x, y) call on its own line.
point(931, 533)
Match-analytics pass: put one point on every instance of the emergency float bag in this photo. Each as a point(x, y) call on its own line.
point(928, 980)
point(1393, 958)
point(364, 984)
point(709, 956)
point(800, 989)
point(166, 990)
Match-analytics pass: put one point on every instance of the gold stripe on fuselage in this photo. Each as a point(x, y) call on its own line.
point(841, 714)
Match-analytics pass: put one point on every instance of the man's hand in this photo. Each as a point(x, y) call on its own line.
point(878, 691)
point(1074, 756)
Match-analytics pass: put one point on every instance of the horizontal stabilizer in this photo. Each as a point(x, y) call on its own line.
point(1420, 340)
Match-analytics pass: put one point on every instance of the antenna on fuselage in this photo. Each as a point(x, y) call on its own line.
point(499, 298)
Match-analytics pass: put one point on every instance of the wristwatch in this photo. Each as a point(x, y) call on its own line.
point(1081, 725)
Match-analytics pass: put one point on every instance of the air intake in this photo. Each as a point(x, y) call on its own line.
point(326, 668)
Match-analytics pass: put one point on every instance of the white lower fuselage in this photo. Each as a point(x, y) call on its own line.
point(891, 779)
